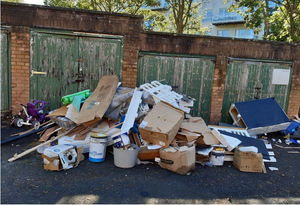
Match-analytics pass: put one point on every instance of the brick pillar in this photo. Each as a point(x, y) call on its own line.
point(130, 60)
point(20, 66)
point(294, 97)
point(218, 89)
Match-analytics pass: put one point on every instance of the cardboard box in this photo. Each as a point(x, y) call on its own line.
point(54, 164)
point(248, 161)
point(185, 138)
point(180, 160)
point(148, 154)
point(161, 124)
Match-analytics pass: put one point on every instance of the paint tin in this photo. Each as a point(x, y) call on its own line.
point(217, 156)
point(98, 144)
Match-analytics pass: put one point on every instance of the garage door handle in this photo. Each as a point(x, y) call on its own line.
point(34, 72)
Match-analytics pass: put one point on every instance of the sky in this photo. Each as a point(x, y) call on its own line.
point(40, 2)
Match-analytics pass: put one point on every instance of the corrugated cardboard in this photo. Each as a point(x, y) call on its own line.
point(55, 164)
point(148, 154)
point(198, 125)
point(184, 138)
point(97, 103)
point(180, 160)
point(161, 124)
point(248, 161)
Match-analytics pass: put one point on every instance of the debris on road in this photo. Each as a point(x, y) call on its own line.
point(152, 123)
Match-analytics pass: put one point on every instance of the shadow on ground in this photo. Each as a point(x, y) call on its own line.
point(25, 181)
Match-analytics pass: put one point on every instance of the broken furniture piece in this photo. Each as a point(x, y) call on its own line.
point(164, 93)
point(259, 116)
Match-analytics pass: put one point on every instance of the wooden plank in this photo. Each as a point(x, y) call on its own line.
point(48, 133)
point(18, 156)
point(59, 112)
point(137, 139)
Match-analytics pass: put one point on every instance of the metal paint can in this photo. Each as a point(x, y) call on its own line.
point(98, 144)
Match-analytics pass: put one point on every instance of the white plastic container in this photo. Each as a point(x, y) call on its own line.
point(217, 157)
point(98, 144)
point(126, 158)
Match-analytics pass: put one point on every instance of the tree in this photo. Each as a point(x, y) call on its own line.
point(280, 19)
point(183, 17)
point(135, 7)
point(14, 1)
point(285, 21)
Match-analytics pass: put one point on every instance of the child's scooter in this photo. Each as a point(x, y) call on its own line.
point(33, 112)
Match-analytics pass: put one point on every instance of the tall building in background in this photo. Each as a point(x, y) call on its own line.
point(224, 23)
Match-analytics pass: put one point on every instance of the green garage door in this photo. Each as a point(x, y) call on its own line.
point(187, 74)
point(5, 73)
point(69, 63)
point(251, 79)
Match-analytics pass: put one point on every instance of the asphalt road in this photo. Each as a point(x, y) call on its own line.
point(25, 181)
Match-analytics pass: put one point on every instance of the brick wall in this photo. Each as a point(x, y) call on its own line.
point(218, 89)
point(130, 59)
point(24, 17)
point(20, 66)
point(294, 97)
point(223, 48)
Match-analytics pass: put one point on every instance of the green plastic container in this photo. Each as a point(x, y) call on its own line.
point(69, 98)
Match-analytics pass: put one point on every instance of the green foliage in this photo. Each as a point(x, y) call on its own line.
point(135, 7)
point(280, 23)
point(14, 1)
point(182, 17)
point(61, 3)
point(116, 6)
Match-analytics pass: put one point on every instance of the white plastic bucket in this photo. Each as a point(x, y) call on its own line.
point(217, 157)
point(126, 158)
point(97, 147)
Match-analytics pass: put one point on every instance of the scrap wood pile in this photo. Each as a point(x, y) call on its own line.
point(149, 123)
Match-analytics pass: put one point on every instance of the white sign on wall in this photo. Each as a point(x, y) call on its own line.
point(281, 76)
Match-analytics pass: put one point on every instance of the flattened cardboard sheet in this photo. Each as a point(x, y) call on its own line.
point(97, 103)
point(198, 125)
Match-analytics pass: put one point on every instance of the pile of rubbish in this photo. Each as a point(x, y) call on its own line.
point(152, 123)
